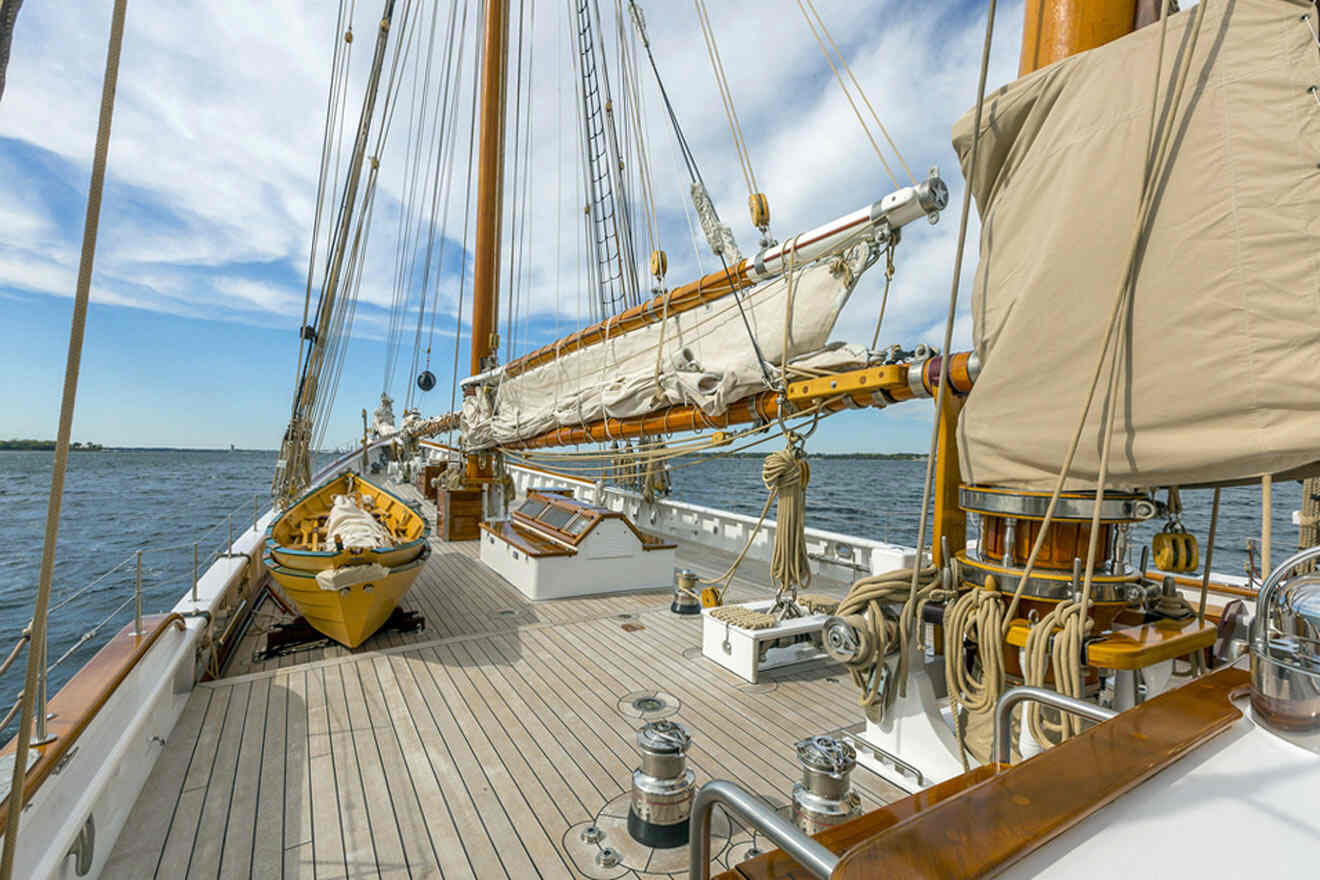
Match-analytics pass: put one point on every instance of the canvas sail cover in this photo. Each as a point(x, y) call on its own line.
point(1221, 356)
point(706, 358)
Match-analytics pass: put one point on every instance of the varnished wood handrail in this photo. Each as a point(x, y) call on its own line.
point(90, 688)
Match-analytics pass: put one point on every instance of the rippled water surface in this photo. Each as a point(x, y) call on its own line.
point(118, 501)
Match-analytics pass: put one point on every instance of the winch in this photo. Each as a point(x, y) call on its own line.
point(824, 798)
point(1285, 649)
point(1010, 525)
point(662, 787)
point(686, 599)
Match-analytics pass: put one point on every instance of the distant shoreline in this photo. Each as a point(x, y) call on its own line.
point(46, 446)
point(49, 446)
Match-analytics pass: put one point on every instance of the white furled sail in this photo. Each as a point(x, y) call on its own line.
point(706, 358)
point(1220, 346)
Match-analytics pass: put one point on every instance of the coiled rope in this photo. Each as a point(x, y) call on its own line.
point(1056, 642)
point(879, 634)
point(978, 616)
point(786, 475)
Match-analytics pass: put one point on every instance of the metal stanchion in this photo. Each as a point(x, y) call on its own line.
point(137, 616)
point(194, 591)
point(40, 736)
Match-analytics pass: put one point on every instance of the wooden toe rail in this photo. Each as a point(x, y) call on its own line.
point(78, 702)
point(979, 823)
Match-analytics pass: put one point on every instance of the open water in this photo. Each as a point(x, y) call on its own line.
point(162, 501)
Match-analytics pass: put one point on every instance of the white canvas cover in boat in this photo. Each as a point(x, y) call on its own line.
point(1221, 372)
point(707, 359)
point(350, 576)
point(352, 526)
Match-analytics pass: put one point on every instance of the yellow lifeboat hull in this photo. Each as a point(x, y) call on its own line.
point(349, 614)
point(365, 584)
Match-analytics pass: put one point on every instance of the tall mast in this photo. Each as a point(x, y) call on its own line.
point(490, 186)
point(1055, 29)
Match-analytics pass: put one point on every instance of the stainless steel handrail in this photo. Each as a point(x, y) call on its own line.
point(1002, 747)
point(1260, 624)
point(808, 853)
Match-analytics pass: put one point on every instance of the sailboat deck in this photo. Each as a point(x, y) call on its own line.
point(479, 747)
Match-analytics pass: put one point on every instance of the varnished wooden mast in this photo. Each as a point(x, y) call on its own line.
point(490, 186)
point(1055, 29)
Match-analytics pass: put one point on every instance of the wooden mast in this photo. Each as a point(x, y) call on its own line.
point(1055, 29)
point(460, 507)
point(490, 186)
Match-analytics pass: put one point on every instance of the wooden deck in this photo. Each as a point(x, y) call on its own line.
point(479, 747)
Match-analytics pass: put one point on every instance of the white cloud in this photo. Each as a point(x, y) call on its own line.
point(218, 127)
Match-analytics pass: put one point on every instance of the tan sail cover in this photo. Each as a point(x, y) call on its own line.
point(1221, 372)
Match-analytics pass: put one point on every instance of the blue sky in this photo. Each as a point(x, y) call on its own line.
point(201, 263)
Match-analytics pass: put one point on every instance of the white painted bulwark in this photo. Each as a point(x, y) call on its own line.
point(740, 650)
point(104, 771)
point(839, 557)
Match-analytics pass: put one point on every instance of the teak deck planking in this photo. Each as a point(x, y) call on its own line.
point(469, 749)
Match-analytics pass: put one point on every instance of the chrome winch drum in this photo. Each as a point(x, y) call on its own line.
point(685, 593)
point(1285, 649)
point(662, 787)
point(824, 798)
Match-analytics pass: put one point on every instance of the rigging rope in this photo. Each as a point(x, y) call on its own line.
point(726, 97)
point(879, 634)
point(37, 650)
point(694, 174)
point(847, 94)
point(942, 391)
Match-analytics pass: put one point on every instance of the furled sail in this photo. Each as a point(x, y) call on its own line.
point(706, 358)
point(1220, 349)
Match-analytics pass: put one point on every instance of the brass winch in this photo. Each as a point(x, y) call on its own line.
point(824, 798)
point(1010, 526)
point(662, 787)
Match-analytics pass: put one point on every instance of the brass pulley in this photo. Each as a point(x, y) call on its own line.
point(1176, 551)
point(1173, 547)
point(710, 598)
point(759, 206)
point(659, 264)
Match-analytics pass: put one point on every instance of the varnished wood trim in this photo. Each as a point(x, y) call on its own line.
point(776, 865)
point(79, 701)
point(1000, 820)
point(1220, 589)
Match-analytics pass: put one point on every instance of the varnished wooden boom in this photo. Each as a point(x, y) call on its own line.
point(872, 386)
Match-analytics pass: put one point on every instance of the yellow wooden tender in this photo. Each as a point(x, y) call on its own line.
point(358, 587)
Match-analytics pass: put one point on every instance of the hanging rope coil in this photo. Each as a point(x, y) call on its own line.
point(1055, 643)
point(786, 475)
point(977, 616)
